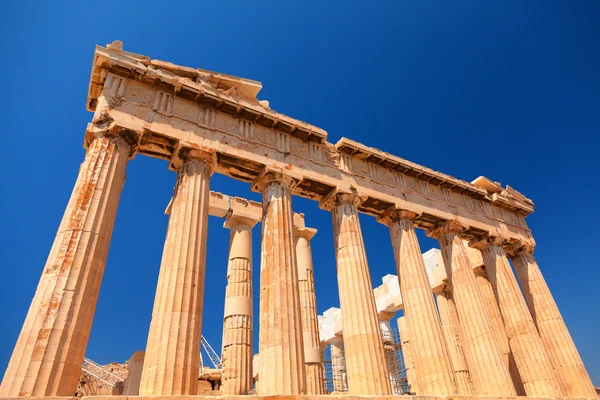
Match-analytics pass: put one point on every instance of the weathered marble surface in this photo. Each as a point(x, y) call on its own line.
point(430, 353)
point(172, 360)
point(281, 344)
point(49, 352)
point(308, 303)
point(489, 373)
point(365, 361)
point(237, 322)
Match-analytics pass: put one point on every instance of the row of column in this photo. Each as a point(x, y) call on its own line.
point(487, 339)
point(495, 345)
point(49, 352)
point(288, 342)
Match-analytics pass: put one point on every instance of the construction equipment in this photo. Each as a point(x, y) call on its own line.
point(212, 354)
point(394, 360)
point(98, 372)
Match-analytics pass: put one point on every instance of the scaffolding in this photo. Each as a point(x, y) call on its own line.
point(212, 354)
point(334, 365)
point(395, 361)
point(98, 380)
point(338, 370)
point(99, 372)
point(327, 371)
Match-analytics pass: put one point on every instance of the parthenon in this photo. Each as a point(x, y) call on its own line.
point(470, 326)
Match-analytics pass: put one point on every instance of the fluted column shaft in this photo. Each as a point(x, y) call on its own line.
point(48, 355)
point(237, 322)
point(172, 361)
point(489, 373)
point(563, 354)
point(451, 329)
point(281, 346)
point(536, 371)
point(308, 304)
point(493, 312)
point(338, 366)
point(409, 365)
point(430, 352)
point(365, 360)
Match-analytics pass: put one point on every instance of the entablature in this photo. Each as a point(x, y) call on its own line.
point(231, 95)
point(167, 120)
point(408, 168)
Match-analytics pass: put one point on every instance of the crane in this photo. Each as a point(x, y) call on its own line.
point(212, 354)
point(98, 372)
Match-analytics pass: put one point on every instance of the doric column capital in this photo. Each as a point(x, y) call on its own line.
point(120, 137)
point(184, 159)
point(236, 219)
point(337, 197)
point(515, 249)
point(270, 176)
point(305, 233)
point(121, 142)
point(193, 166)
point(446, 227)
point(486, 241)
point(393, 214)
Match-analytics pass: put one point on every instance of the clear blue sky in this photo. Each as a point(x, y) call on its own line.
point(505, 89)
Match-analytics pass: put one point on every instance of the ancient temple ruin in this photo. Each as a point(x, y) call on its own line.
point(470, 326)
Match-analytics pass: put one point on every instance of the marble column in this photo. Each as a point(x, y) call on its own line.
point(338, 365)
point(489, 373)
point(561, 350)
point(536, 372)
point(281, 345)
point(49, 352)
point(430, 353)
point(409, 365)
point(451, 329)
point(493, 312)
point(172, 362)
point(365, 360)
point(308, 304)
point(237, 321)
point(389, 348)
